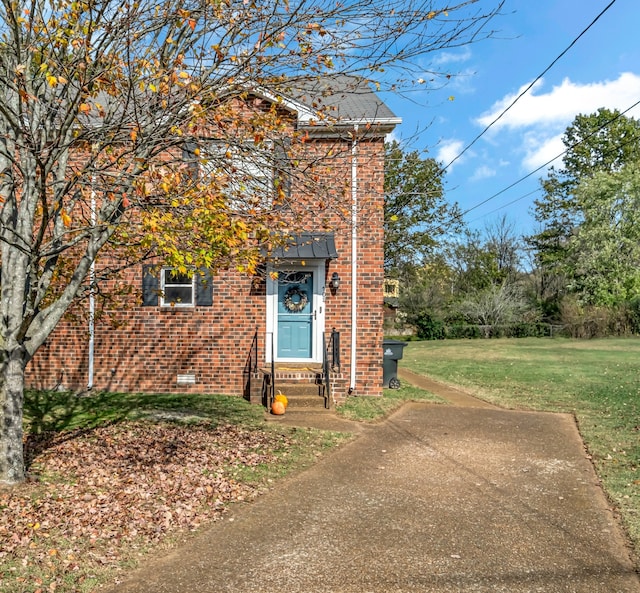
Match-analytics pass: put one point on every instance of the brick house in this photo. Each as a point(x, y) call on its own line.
point(313, 315)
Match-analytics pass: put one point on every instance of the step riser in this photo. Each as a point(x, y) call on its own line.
point(293, 377)
point(298, 390)
point(306, 403)
point(301, 395)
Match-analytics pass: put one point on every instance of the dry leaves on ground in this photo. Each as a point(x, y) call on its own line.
point(116, 488)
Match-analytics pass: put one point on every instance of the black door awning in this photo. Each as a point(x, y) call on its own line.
point(306, 246)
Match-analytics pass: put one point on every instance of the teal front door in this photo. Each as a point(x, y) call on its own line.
point(295, 314)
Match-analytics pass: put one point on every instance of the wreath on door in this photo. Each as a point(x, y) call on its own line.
point(295, 300)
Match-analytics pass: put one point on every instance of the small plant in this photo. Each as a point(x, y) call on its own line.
point(281, 397)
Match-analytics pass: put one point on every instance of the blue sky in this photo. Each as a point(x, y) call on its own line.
point(601, 70)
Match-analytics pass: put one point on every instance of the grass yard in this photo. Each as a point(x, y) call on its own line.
point(374, 409)
point(115, 476)
point(596, 380)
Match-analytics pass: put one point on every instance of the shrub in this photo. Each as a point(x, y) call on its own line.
point(514, 330)
point(592, 321)
point(463, 332)
point(428, 327)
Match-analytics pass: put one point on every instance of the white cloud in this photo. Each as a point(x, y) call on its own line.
point(443, 72)
point(560, 105)
point(449, 150)
point(483, 172)
point(542, 118)
point(463, 82)
point(540, 149)
point(450, 57)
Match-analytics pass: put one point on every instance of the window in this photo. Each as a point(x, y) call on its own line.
point(247, 175)
point(168, 288)
point(391, 288)
point(254, 176)
point(250, 174)
point(177, 288)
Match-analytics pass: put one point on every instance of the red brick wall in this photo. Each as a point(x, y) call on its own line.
point(146, 348)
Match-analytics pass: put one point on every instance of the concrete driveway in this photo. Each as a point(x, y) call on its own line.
point(437, 498)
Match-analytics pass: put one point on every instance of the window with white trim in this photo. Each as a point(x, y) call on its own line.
point(252, 174)
point(391, 288)
point(177, 288)
point(161, 287)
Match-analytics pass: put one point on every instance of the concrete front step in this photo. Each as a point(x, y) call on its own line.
point(296, 380)
point(303, 391)
point(302, 395)
point(306, 403)
point(298, 389)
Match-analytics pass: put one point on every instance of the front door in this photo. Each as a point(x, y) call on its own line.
point(295, 314)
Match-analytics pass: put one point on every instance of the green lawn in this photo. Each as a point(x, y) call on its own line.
point(375, 409)
point(596, 380)
point(72, 442)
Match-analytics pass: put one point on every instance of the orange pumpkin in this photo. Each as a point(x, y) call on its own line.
point(277, 408)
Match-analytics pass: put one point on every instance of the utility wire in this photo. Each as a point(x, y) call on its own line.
point(581, 141)
point(525, 91)
point(535, 191)
point(612, 150)
point(458, 217)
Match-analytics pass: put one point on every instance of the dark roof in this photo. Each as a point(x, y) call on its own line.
point(331, 99)
point(307, 246)
point(343, 97)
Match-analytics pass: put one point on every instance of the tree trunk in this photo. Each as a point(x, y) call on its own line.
point(12, 468)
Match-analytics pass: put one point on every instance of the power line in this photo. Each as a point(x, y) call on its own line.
point(581, 141)
point(524, 92)
point(611, 151)
point(535, 191)
point(459, 217)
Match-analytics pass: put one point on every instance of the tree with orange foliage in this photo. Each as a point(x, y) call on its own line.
point(98, 102)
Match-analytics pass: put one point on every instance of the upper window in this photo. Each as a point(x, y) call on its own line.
point(178, 289)
point(391, 288)
point(249, 176)
point(253, 176)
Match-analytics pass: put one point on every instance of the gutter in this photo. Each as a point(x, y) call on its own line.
point(330, 129)
point(92, 301)
point(354, 257)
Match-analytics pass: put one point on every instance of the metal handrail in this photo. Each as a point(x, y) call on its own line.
point(335, 350)
point(253, 367)
point(253, 356)
point(271, 387)
point(330, 362)
point(326, 378)
point(250, 366)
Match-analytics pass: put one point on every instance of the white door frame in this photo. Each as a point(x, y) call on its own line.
point(317, 267)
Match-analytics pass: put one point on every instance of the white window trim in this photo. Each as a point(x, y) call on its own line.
point(254, 166)
point(169, 304)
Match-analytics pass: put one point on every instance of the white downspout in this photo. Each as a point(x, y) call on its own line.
point(354, 256)
point(92, 300)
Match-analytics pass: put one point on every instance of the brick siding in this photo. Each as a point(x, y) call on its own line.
point(145, 349)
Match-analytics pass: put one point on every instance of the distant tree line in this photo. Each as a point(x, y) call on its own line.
point(578, 273)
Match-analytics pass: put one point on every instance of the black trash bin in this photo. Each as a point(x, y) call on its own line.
point(392, 353)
